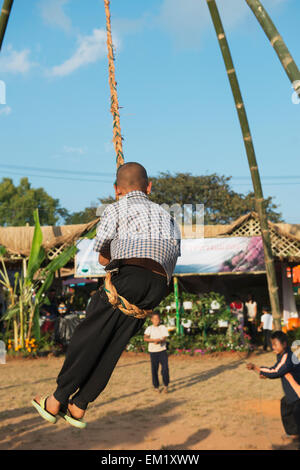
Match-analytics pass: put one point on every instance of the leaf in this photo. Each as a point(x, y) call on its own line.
point(61, 260)
point(11, 312)
point(37, 252)
point(2, 250)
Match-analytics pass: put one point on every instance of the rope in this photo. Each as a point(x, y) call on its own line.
point(117, 137)
point(117, 301)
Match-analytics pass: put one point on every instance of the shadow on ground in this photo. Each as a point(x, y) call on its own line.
point(113, 430)
point(190, 380)
point(192, 440)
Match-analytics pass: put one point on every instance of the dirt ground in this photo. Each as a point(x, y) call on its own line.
point(213, 403)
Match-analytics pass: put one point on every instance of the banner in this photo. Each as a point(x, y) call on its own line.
point(198, 256)
point(220, 255)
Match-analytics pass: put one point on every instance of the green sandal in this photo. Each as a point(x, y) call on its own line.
point(67, 416)
point(41, 409)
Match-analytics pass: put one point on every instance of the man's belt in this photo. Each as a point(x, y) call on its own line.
point(146, 263)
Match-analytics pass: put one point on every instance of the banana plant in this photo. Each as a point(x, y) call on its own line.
point(24, 306)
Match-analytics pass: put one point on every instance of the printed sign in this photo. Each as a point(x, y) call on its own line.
point(198, 256)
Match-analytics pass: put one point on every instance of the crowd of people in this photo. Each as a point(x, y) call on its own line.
point(248, 317)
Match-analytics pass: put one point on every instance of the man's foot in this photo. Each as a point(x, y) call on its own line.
point(290, 438)
point(51, 405)
point(165, 390)
point(156, 390)
point(76, 412)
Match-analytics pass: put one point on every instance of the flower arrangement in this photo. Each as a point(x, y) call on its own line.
point(30, 346)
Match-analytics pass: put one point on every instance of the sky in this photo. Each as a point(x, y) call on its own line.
point(177, 110)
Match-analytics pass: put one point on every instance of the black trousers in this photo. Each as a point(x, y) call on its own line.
point(267, 339)
point(99, 340)
point(290, 416)
point(157, 358)
point(252, 330)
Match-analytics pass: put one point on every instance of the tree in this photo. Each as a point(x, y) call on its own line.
point(17, 204)
point(222, 205)
point(81, 217)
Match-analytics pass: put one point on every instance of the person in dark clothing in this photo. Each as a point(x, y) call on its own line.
point(287, 368)
point(138, 243)
point(49, 313)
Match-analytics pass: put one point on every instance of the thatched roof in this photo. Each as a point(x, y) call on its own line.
point(17, 240)
point(291, 231)
point(285, 238)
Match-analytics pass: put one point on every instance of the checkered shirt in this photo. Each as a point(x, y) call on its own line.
point(135, 227)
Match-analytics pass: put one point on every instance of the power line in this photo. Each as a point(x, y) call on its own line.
point(268, 177)
point(86, 173)
point(267, 184)
point(95, 173)
point(57, 170)
point(82, 180)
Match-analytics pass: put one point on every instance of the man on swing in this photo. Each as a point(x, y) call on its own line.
point(139, 243)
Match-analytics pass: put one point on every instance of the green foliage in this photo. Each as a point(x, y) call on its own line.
point(17, 204)
point(222, 204)
point(81, 217)
point(205, 336)
point(23, 311)
point(37, 254)
point(137, 344)
point(202, 315)
point(293, 335)
point(194, 345)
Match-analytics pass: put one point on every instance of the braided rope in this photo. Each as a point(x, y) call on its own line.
point(117, 301)
point(117, 137)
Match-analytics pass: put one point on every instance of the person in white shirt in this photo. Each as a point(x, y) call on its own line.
point(251, 307)
point(155, 335)
point(267, 327)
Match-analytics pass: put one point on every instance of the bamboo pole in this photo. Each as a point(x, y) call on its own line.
point(277, 43)
point(21, 342)
point(117, 136)
point(258, 193)
point(5, 12)
point(176, 295)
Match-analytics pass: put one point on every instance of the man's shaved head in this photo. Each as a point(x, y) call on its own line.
point(132, 176)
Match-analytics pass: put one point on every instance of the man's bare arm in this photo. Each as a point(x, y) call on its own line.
point(147, 339)
point(104, 260)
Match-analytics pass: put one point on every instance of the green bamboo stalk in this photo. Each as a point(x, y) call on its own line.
point(176, 295)
point(5, 12)
point(277, 43)
point(258, 193)
point(21, 323)
point(16, 336)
